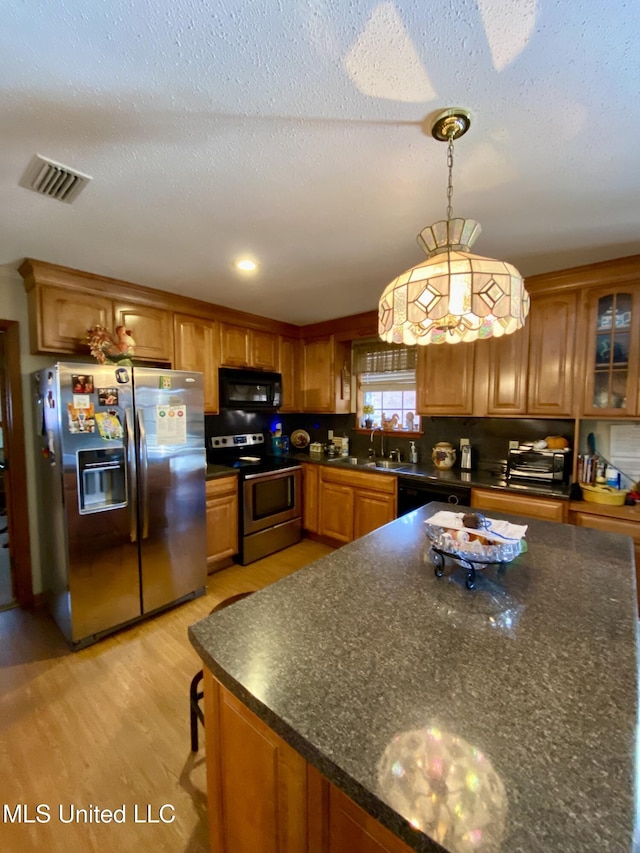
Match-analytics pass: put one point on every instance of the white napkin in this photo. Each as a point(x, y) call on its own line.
point(497, 530)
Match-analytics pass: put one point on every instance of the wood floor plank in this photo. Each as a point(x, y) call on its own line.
point(108, 726)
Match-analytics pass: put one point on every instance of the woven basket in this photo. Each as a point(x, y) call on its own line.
point(603, 494)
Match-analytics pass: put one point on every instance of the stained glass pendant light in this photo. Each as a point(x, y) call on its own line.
point(454, 295)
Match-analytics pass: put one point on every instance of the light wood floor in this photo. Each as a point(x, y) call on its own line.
point(109, 725)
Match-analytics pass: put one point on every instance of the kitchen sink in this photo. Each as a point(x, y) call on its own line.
point(364, 462)
point(386, 463)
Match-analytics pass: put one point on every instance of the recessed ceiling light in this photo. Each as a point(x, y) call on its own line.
point(246, 265)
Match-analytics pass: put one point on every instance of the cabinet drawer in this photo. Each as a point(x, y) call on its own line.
point(608, 524)
point(548, 509)
point(385, 483)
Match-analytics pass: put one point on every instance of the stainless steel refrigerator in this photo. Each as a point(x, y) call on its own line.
point(121, 493)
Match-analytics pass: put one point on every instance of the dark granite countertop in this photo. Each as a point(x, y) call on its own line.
point(496, 719)
point(488, 478)
point(215, 471)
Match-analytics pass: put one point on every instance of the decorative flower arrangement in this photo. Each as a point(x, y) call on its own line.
point(114, 349)
point(368, 412)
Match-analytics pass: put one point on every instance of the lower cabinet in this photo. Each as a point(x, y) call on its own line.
point(310, 482)
point(263, 796)
point(353, 503)
point(548, 509)
point(222, 522)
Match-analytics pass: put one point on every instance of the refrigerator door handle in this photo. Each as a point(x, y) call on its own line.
point(131, 475)
point(143, 464)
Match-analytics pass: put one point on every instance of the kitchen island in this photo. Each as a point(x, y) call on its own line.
point(496, 719)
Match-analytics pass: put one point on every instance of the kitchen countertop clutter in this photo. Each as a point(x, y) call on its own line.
point(496, 719)
point(493, 477)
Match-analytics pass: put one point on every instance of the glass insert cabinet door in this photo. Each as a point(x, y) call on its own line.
point(612, 365)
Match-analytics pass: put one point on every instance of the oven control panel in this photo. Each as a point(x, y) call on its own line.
point(246, 440)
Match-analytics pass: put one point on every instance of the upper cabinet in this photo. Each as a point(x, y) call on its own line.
point(151, 328)
point(195, 348)
point(585, 341)
point(445, 380)
point(507, 373)
point(612, 352)
point(60, 317)
point(326, 375)
point(289, 368)
point(243, 347)
point(552, 339)
point(64, 304)
point(529, 372)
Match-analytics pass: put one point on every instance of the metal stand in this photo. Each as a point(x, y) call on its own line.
point(437, 557)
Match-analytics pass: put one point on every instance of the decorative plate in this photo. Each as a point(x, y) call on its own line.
point(300, 438)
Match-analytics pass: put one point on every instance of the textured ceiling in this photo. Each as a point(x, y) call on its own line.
point(296, 131)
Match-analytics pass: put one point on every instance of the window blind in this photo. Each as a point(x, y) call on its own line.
point(375, 357)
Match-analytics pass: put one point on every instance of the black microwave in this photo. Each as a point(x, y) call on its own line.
point(249, 390)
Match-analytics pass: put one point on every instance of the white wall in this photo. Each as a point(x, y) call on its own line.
point(13, 306)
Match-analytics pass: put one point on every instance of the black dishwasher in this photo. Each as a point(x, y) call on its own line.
point(414, 493)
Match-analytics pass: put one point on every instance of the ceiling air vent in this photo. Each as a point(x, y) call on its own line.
point(53, 179)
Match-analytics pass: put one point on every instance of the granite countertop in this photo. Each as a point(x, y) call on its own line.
point(509, 710)
point(485, 478)
point(215, 471)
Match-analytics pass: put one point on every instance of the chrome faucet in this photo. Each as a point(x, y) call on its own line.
point(372, 448)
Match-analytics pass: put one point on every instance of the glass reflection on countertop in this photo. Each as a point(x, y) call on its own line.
point(446, 788)
point(489, 606)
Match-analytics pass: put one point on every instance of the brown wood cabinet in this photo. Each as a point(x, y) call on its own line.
point(60, 318)
point(263, 796)
point(326, 375)
point(352, 830)
point(289, 368)
point(310, 496)
point(612, 335)
point(151, 328)
point(444, 379)
point(256, 783)
point(222, 521)
point(372, 510)
point(195, 348)
point(552, 336)
point(507, 373)
point(548, 509)
point(353, 503)
point(244, 347)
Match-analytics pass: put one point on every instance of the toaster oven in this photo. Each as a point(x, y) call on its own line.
point(549, 465)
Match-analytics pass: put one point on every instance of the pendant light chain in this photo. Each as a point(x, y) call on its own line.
point(450, 184)
point(450, 327)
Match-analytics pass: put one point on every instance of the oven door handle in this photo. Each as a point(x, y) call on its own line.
point(271, 474)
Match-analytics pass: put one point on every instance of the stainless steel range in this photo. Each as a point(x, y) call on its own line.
point(270, 494)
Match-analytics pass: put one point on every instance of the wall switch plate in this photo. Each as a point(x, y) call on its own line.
point(514, 445)
point(464, 442)
point(330, 434)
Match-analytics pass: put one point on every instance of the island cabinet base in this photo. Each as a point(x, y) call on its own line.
point(263, 796)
